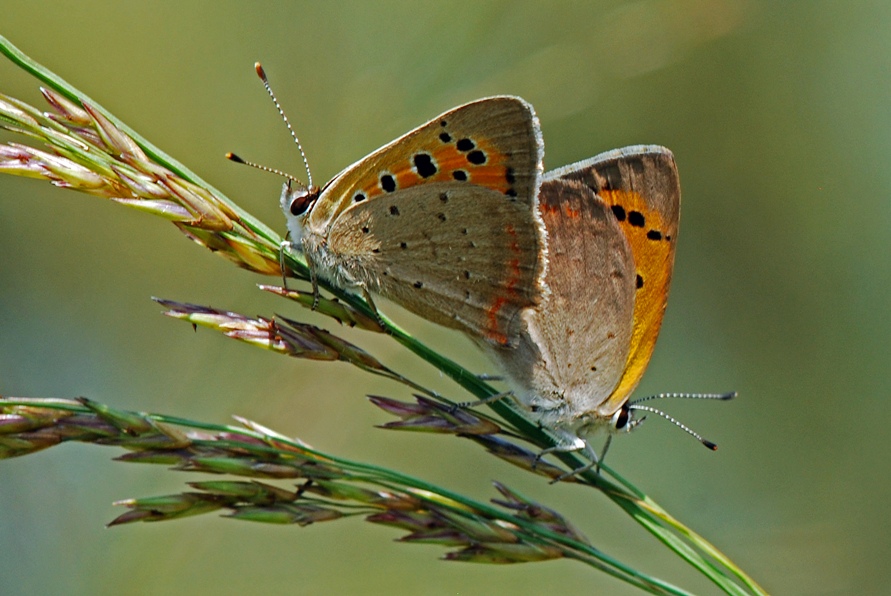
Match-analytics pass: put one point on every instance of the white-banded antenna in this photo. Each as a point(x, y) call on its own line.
point(237, 159)
point(634, 405)
point(262, 74)
point(719, 396)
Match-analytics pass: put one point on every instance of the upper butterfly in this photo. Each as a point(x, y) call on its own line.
point(443, 221)
point(612, 224)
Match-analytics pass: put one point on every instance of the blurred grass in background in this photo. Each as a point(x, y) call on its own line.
point(778, 116)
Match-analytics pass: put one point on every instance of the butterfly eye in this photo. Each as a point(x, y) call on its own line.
point(621, 418)
point(300, 204)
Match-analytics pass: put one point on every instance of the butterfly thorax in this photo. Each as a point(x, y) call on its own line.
point(309, 234)
point(558, 409)
point(575, 432)
point(352, 264)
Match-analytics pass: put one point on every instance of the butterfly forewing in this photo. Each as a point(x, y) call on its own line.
point(443, 220)
point(493, 142)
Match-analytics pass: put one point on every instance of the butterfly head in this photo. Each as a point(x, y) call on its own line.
point(623, 421)
point(297, 202)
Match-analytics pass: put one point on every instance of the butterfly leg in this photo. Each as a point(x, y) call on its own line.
point(488, 377)
point(576, 444)
point(609, 439)
point(594, 461)
point(314, 280)
point(281, 262)
point(579, 470)
point(482, 402)
point(377, 315)
point(555, 449)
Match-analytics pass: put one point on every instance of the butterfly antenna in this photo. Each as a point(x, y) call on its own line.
point(720, 396)
point(262, 74)
point(677, 423)
point(237, 159)
point(634, 405)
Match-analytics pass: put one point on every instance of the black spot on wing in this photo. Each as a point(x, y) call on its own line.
point(465, 145)
point(388, 183)
point(424, 165)
point(477, 157)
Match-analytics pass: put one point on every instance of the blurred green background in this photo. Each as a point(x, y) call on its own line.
point(779, 115)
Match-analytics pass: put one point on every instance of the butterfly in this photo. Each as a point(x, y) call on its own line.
point(443, 221)
point(612, 224)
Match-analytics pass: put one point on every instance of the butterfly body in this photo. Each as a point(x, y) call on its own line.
point(612, 223)
point(443, 220)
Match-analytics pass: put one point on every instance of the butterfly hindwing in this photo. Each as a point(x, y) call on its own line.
point(460, 255)
point(574, 346)
point(640, 185)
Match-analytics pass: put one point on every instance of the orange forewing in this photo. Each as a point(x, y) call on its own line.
point(502, 132)
point(449, 159)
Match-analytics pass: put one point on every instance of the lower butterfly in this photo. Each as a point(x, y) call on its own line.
point(612, 224)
